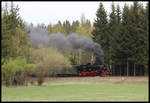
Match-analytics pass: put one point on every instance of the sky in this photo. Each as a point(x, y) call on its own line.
point(52, 12)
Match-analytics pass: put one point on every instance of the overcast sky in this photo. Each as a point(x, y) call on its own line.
point(51, 12)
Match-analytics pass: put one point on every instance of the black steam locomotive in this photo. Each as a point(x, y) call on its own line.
point(92, 70)
point(87, 70)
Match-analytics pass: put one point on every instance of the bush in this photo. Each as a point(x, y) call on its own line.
point(49, 60)
point(40, 80)
point(14, 71)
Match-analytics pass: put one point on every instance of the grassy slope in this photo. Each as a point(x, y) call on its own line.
point(78, 92)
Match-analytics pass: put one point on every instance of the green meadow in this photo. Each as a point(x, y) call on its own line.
point(78, 92)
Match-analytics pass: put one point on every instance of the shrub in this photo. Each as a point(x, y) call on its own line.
point(14, 71)
point(40, 80)
point(50, 61)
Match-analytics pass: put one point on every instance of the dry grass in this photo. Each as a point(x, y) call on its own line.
point(98, 79)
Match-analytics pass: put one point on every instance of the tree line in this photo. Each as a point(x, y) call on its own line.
point(123, 36)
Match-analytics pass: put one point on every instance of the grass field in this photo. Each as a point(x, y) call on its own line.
point(78, 91)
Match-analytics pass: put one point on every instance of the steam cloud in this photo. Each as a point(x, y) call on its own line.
point(71, 42)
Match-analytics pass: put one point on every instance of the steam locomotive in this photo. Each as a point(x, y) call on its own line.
point(92, 70)
point(87, 70)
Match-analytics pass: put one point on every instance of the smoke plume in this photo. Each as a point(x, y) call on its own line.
point(71, 42)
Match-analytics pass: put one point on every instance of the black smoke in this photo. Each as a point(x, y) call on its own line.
point(71, 42)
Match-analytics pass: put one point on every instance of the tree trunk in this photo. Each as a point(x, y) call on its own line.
point(127, 67)
point(110, 67)
point(120, 70)
point(79, 57)
point(92, 58)
point(134, 70)
point(112, 70)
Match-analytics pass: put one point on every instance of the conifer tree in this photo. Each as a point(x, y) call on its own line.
point(100, 34)
point(15, 41)
point(112, 32)
point(75, 25)
point(67, 27)
point(115, 31)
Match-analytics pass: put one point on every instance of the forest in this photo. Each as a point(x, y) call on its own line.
point(122, 36)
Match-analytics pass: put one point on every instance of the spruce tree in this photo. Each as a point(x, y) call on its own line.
point(67, 27)
point(112, 31)
point(115, 31)
point(100, 34)
point(15, 41)
point(75, 25)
